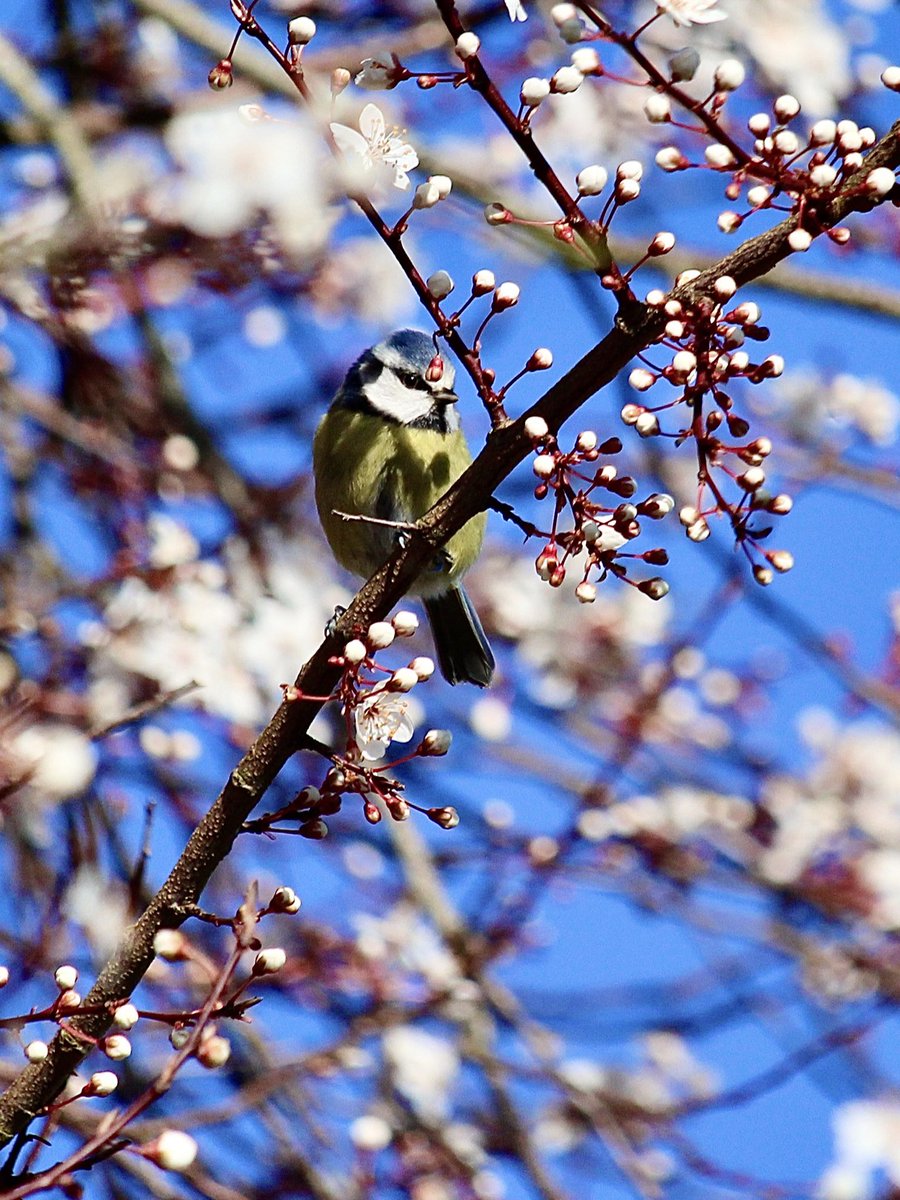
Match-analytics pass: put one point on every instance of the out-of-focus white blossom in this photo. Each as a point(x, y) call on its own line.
point(423, 1069)
point(691, 12)
point(59, 760)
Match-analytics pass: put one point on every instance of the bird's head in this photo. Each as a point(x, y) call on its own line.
point(406, 380)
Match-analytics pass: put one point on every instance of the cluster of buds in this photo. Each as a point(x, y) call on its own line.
point(806, 168)
point(375, 706)
point(600, 531)
point(707, 343)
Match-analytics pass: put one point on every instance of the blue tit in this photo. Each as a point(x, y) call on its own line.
point(389, 447)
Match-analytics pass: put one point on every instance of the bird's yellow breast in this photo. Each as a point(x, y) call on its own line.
point(367, 466)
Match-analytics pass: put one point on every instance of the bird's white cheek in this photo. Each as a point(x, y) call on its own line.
point(388, 395)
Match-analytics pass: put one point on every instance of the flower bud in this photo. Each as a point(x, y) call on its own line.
point(447, 817)
point(483, 282)
point(426, 195)
point(169, 944)
point(301, 31)
point(440, 284)
point(213, 1052)
point(404, 679)
point(786, 108)
point(36, 1051)
point(890, 77)
point(221, 76)
point(718, 155)
point(117, 1047)
point(536, 428)
point(467, 44)
point(533, 91)
point(566, 80)
point(586, 593)
point(641, 380)
point(125, 1016)
point(657, 108)
point(435, 743)
point(586, 441)
point(781, 560)
point(379, 635)
point(881, 181)
point(423, 667)
point(284, 900)
point(647, 425)
point(663, 243)
point(505, 296)
point(670, 158)
point(591, 180)
point(405, 623)
point(541, 360)
point(544, 466)
point(762, 575)
point(269, 961)
point(730, 74)
point(586, 60)
point(173, 1150)
point(340, 79)
point(102, 1083)
point(66, 977)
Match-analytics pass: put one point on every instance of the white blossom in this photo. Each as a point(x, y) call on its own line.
point(381, 718)
point(688, 12)
point(375, 147)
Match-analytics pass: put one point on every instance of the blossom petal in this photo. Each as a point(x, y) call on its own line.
point(350, 141)
point(371, 124)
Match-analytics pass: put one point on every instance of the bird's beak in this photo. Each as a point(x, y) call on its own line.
point(445, 396)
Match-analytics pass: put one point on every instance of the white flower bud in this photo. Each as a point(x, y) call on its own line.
point(647, 424)
point(757, 196)
point(762, 575)
point(699, 531)
point(728, 221)
point(591, 180)
point(567, 79)
point(752, 478)
point(823, 175)
point(179, 1037)
point(68, 1000)
point(823, 133)
point(467, 44)
point(688, 515)
point(355, 652)
point(590, 531)
point(781, 560)
point(36, 1051)
point(586, 60)
point(627, 190)
point(440, 284)
point(739, 362)
point(541, 359)
point(670, 158)
point(890, 77)
point(586, 593)
point(379, 635)
point(483, 282)
point(572, 31)
point(786, 142)
point(269, 961)
point(169, 944)
point(880, 181)
point(544, 466)
point(4, 976)
point(533, 91)
point(730, 74)
point(781, 504)
point(586, 441)
point(426, 195)
point(173, 1150)
point(117, 1047)
point(799, 240)
point(725, 287)
point(786, 108)
point(125, 1016)
point(682, 277)
point(370, 1133)
point(536, 428)
point(663, 243)
point(631, 412)
point(423, 667)
point(285, 900)
point(655, 298)
point(630, 169)
point(505, 296)
point(718, 155)
point(443, 183)
point(214, 1052)
point(675, 329)
point(641, 379)
point(340, 79)
point(560, 13)
point(404, 679)
point(774, 365)
point(759, 124)
point(405, 623)
point(657, 108)
point(435, 743)
point(66, 977)
point(301, 31)
point(103, 1083)
point(684, 362)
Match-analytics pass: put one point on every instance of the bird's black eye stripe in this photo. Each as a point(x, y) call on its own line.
point(412, 379)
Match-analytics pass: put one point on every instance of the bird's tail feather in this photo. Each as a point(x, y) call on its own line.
point(462, 648)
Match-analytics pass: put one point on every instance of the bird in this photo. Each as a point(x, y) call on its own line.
point(388, 447)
